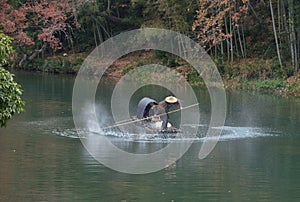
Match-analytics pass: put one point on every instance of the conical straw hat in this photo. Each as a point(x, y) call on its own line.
point(171, 99)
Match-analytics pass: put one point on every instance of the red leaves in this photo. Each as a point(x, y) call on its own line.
point(48, 19)
point(244, 8)
point(52, 18)
point(210, 19)
point(21, 37)
point(13, 21)
point(48, 36)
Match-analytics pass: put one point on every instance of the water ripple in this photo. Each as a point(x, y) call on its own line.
point(58, 127)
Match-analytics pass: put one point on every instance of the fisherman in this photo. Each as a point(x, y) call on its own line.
point(162, 110)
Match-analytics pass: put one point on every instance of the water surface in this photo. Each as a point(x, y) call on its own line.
point(256, 159)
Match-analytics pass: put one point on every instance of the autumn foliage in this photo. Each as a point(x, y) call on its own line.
point(230, 30)
point(50, 20)
point(213, 16)
point(13, 22)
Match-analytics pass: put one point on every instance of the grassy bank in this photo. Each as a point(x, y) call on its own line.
point(271, 86)
point(251, 75)
point(277, 86)
point(289, 87)
point(257, 75)
point(59, 64)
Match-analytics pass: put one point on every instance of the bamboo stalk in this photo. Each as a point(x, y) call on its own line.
point(240, 42)
point(275, 34)
point(231, 41)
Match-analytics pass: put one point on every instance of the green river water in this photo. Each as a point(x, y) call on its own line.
point(256, 159)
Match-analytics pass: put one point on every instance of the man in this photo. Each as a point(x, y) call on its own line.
point(163, 108)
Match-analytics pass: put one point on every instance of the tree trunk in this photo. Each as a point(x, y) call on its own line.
point(244, 42)
point(222, 49)
point(32, 56)
point(108, 6)
point(240, 42)
point(35, 53)
point(236, 45)
point(279, 16)
point(291, 39)
point(275, 34)
point(99, 35)
point(227, 41)
point(231, 40)
point(293, 43)
point(20, 64)
point(298, 49)
point(95, 36)
point(253, 11)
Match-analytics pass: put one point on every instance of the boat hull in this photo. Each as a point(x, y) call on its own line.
point(155, 127)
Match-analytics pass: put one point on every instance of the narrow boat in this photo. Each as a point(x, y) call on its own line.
point(151, 124)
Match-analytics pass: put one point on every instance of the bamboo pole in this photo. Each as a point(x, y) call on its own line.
point(130, 121)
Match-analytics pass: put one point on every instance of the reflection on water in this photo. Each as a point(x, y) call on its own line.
point(256, 159)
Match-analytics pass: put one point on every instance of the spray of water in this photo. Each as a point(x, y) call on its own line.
point(95, 124)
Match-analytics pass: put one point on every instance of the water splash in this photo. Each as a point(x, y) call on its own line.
point(232, 132)
point(229, 133)
point(69, 133)
point(58, 127)
point(94, 124)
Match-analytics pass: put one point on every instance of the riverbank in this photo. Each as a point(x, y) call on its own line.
point(289, 87)
point(237, 77)
point(285, 88)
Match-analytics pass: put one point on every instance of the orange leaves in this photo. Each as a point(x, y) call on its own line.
point(209, 25)
point(51, 17)
point(21, 37)
point(244, 8)
point(46, 19)
point(13, 21)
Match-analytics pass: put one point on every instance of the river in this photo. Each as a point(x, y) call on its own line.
point(256, 158)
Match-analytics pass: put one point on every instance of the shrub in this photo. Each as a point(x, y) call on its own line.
point(10, 97)
point(10, 92)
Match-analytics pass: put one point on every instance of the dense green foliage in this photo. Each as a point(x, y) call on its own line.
point(5, 48)
point(230, 30)
point(248, 39)
point(10, 92)
point(277, 86)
